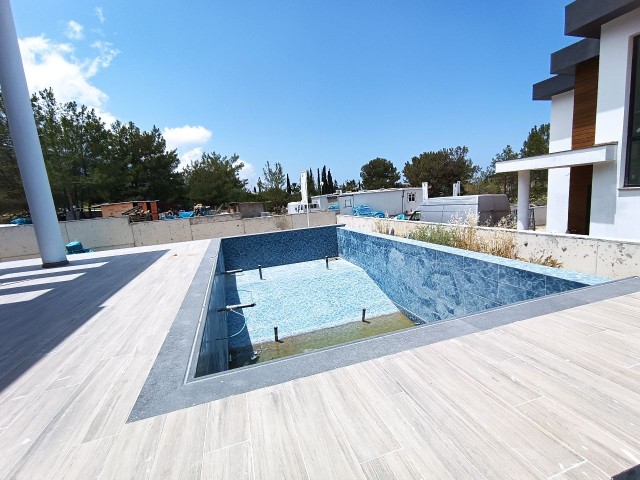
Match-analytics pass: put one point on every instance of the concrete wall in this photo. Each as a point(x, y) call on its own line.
point(17, 242)
point(609, 258)
point(540, 215)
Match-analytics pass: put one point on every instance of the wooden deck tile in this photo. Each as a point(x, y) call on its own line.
point(85, 460)
point(368, 435)
point(372, 380)
point(179, 454)
point(539, 448)
point(133, 454)
point(275, 446)
point(557, 396)
point(504, 387)
point(227, 423)
point(392, 465)
point(485, 451)
point(423, 441)
point(229, 463)
point(603, 450)
point(325, 449)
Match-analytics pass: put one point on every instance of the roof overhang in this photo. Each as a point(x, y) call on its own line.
point(563, 62)
point(571, 158)
point(546, 89)
point(584, 18)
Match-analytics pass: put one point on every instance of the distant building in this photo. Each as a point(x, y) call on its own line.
point(117, 209)
point(299, 207)
point(391, 201)
point(326, 201)
point(594, 142)
point(247, 209)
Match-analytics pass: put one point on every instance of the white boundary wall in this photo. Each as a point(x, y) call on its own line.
point(609, 258)
point(19, 241)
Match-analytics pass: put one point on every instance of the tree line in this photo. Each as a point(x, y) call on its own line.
point(442, 168)
point(89, 163)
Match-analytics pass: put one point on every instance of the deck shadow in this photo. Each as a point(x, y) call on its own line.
point(31, 329)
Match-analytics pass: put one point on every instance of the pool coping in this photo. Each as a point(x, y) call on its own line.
point(169, 387)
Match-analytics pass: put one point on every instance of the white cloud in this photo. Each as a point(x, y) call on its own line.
point(247, 172)
point(188, 157)
point(104, 58)
point(184, 136)
point(100, 14)
point(49, 64)
point(74, 31)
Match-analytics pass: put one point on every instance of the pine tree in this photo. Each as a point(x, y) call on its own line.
point(325, 186)
point(288, 185)
point(330, 183)
point(319, 180)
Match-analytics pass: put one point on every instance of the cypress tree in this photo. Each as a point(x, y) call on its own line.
point(324, 180)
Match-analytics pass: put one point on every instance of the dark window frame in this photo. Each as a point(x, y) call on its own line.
point(631, 102)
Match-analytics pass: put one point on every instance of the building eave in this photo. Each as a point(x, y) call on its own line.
point(584, 18)
point(564, 61)
point(571, 158)
point(546, 89)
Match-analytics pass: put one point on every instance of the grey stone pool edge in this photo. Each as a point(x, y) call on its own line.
point(170, 385)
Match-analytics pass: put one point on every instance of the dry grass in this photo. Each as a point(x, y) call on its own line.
point(463, 233)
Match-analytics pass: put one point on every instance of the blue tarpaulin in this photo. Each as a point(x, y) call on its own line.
point(365, 211)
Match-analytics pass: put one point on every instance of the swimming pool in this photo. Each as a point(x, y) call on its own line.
point(382, 274)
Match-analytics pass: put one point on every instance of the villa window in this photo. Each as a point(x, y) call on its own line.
point(411, 197)
point(632, 171)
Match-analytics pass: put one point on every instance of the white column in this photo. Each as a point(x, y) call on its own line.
point(27, 145)
point(524, 183)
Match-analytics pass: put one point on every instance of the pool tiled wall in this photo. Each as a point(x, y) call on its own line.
point(214, 347)
point(432, 282)
point(279, 248)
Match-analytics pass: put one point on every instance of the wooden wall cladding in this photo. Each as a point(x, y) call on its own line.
point(580, 199)
point(585, 105)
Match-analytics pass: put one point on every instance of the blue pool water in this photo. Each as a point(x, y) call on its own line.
point(302, 297)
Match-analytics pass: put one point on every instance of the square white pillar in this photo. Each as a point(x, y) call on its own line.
point(524, 186)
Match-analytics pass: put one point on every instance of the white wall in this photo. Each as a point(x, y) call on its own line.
point(615, 210)
point(390, 201)
point(561, 122)
point(609, 258)
point(559, 141)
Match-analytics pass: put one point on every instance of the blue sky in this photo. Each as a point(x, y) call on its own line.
point(305, 83)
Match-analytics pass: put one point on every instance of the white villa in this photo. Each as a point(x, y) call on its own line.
point(594, 159)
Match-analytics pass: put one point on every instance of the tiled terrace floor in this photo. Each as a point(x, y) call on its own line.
point(551, 397)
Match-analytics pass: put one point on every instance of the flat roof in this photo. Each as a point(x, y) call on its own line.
point(546, 89)
point(128, 201)
point(564, 61)
point(381, 190)
point(584, 18)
